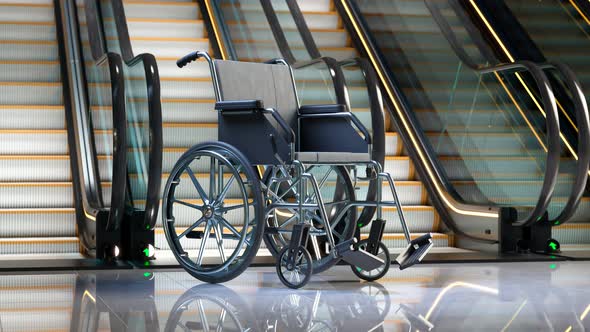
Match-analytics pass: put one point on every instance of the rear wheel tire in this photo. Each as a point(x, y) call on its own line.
point(213, 202)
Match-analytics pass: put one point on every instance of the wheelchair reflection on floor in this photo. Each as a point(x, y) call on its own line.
point(219, 204)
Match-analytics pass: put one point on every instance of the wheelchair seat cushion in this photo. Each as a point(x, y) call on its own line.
point(332, 157)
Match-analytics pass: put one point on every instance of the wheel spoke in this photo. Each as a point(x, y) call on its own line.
point(190, 229)
point(221, 320)
point(290, 188)
point(231, 228)
point(288, 221)
point(336, 202)
point(197, 185)
point(203, 315)
point(212, 178)
point(206, 234)
point(194, 206)
point(233, 207)
point(219, 239)
point(225, 189)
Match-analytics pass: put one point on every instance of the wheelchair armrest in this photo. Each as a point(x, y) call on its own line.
point(318, 109)
point(246, 107)
point(340, 114)
point(240, 105)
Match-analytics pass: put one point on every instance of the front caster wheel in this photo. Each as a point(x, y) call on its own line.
point(295, 273)
point(379, 272)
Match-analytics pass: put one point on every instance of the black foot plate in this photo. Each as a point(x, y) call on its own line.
point(362, 259)
point(415, 252)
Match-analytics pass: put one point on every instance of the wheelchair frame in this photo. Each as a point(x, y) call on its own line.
point(297, 180)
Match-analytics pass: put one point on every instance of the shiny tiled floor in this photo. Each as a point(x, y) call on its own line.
point(450, 297)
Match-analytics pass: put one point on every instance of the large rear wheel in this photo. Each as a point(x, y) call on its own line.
point(212, 212)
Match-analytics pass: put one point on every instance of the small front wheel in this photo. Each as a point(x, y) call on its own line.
point(294, 273)
point(378, 273)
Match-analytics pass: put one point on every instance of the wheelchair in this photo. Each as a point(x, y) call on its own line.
point(279, 172)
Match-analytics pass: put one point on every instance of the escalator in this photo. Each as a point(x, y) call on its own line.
point(187, 95)
point(491, 128)
point(38, 211)
point(552, 31)
point(483, 150)
point(64, 178)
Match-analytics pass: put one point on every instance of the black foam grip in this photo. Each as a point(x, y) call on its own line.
point(187, 59)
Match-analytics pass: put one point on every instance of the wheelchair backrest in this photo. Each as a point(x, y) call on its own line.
point(271, 83)
point(257, 135)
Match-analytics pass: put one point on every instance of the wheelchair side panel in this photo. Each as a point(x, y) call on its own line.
point(330, 135)
point(252, 134)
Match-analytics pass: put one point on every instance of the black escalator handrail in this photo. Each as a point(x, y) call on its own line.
point(541, 80)
point(583, 8)
point(119, 176)
point(583, 122)
point(338, 79)
point(156, 144)
point(303, 29)
point(119, 134)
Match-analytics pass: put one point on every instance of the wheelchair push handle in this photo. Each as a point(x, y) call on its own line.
point(185, 60)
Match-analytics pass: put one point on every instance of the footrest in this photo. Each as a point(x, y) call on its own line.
point(415, 252)
point(362, 259)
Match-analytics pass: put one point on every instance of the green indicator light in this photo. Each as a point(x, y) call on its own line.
point(146, 263)
point(553, 246)
point(146, 252)
point(360, 225)
point(147, 274)
point(552, 257)
point(539, 218)
point(552, 266)
point(556, 222)
point(147, 227)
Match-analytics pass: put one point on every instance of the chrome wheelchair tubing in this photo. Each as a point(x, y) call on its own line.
point(400, 212)
point(202, 54)
point(214, 77)
point(282, 123)
point(322, 209)
point(380, 174)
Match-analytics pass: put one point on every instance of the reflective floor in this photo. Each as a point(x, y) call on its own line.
point(449, 297)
